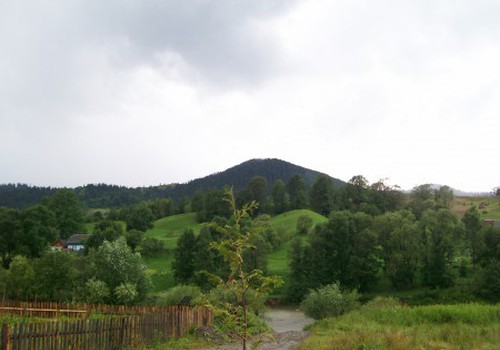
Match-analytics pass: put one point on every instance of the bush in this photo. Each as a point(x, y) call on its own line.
point(304, 224)
point(96, 291)
point(329, 301)
point(152, 247)
point(382, 302)
point(181, 294)
point(126, 293)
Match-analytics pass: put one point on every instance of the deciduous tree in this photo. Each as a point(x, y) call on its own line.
point(473, 225)
point(10, 235)
point(115, 264)
point(56, 274)
point(184, 261)
point(68, 211)
point(245, 286)
point(439, 229)
point(296, 188)
point(279, 197)
point(401, 250)
point(321, 197)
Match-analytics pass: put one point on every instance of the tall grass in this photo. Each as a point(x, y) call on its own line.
point(466, 326)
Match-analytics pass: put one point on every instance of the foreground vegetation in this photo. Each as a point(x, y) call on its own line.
point(396, 327)
point(425, 247)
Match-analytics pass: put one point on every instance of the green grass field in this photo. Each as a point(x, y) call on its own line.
point(489, 207)
point(278, 260)
point(464, 326)
point(170, 228)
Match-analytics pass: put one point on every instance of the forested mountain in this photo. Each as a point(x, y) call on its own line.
point(239, 175)
point(103, 195)
point(22, 196)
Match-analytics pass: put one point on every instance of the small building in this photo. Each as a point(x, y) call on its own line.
point(60, 245)
point(76, 242)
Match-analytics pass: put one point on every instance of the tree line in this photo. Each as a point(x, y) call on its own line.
point(356, 250)
point(373, 231)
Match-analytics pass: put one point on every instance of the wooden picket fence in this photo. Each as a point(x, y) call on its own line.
point(124, 330)
point(44, 309)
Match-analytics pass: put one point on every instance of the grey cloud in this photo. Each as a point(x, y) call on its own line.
point(42, 42)
point(210, 35)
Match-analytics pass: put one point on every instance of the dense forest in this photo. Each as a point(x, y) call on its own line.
point(113, 196)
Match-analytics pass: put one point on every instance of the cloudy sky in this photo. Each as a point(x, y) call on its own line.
point(148, 92)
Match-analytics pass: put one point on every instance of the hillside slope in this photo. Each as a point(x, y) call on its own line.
point(239, 175)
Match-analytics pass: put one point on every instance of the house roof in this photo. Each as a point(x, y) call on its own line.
point(77, 238)
point(59, 243)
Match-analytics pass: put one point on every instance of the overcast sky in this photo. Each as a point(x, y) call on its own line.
point(148, 92)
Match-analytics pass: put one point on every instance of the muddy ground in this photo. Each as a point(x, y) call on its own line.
point(288, 326)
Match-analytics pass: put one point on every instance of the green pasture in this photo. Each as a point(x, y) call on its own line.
point(489, 206)
point(288, 220)
point(169, 229)
point(159, 270)
point(277, 263)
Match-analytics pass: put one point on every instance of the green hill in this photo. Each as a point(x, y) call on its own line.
point(170, 228)
point(277, 263)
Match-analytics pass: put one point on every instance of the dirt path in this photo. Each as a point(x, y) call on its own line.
point(288, 325)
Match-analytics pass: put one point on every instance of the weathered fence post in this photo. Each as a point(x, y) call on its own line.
point(179, 319)
point(122, 332)
point(5, 337)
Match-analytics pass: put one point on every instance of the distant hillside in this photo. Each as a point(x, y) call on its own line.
point(239, 175)
point(461, 193)
point(103, 195)
point(22, 196)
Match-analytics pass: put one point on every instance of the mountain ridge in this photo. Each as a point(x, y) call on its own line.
point(104, 195)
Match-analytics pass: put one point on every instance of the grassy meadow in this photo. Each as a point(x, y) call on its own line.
point(489, 207)
point(464, 326)
point(169, 229)
point(278, 260)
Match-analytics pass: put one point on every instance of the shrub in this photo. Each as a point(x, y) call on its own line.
point(181, 294)
point(329, 301)
point(382, 302)
point(304, 224)
point(126, 293)
point(96, 291)
point(152, 247)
